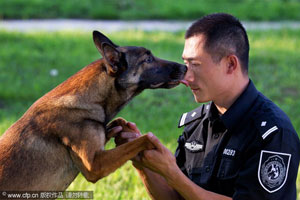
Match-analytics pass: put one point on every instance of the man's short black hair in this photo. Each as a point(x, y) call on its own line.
point(224, 35)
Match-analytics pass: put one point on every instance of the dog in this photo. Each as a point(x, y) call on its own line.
point(65, 131)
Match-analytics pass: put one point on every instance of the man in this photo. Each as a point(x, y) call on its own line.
point(238, 146)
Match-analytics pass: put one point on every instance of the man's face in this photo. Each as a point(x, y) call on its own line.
point(206, 78)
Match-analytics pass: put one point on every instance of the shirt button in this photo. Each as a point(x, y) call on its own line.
point(189, 169)
point(207, 169)
point(216, 135)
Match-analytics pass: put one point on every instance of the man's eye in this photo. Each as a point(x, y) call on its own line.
point(195, 64)
point(149, 59)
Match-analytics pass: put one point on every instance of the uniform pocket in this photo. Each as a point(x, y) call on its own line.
point(195, 176)
point(227, 175)
point(229, 169)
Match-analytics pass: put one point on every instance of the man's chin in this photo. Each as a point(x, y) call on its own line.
point(200, 99)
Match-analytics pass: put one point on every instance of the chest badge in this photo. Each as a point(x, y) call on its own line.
point(194, 146)
point(273, 170)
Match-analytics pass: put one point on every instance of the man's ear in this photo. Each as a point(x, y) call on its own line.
point(232, 63)
point(108, 51)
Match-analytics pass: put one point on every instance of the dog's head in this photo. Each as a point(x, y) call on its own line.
point(136, 68)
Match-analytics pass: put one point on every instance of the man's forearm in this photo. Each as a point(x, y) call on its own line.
point(156, 185)
point(189, 190)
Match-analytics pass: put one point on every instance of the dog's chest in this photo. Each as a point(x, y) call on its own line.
point(60, 169)
point(41, 164)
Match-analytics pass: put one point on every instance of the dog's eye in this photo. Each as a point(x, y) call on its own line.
point(149, 59)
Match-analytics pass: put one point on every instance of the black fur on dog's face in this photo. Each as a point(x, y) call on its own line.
point(147, 71)
point(135, 68)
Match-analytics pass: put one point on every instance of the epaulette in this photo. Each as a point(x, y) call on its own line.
point(191, 116)
point(266, 126)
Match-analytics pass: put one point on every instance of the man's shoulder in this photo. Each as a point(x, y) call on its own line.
point(192, 116)
point(269, 118)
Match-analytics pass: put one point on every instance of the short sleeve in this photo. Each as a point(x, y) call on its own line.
point(271, 169)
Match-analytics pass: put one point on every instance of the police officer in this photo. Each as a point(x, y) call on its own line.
point(238, 146)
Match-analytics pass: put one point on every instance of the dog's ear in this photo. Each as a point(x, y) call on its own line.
point(113, 57)
point(99, 39)
point(108, 51)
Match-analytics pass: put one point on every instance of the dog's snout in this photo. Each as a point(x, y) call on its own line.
point(178, 72)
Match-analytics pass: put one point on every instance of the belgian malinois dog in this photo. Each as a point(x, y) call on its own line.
point(64, 132)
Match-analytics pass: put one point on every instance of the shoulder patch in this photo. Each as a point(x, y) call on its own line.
point(273, 170)
point(192, 115)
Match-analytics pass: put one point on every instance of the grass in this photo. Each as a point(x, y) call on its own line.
point(149, 9)
point(27, 59)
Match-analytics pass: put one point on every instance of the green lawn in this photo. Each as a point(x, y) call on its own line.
point(149, 9)
point(27, 59)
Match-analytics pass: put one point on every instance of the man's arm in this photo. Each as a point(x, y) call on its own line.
point(156, 185)
point(163, 162)
point(160, 173)
point(159, 189)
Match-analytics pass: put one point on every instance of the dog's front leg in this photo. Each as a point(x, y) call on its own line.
point(94, 162)
point(108, 161)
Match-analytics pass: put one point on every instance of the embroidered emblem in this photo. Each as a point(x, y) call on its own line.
point(193, 146)
point(273, 170)
point(263, 123)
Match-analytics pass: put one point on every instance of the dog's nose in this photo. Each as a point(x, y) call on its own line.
point(179, 71)
point(185, 68)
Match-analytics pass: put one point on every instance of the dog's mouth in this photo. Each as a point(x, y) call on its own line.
point(156, 85)
point(164, 78)
point(172, 84)
point(167, 85)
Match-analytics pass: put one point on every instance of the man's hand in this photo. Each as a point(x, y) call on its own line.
point(126, 134)
point(122, 131)
point(112, 132)
point(160, 160)
point(131, 133)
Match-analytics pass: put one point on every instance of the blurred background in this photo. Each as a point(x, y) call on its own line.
point(268, 10)
point(40, 47)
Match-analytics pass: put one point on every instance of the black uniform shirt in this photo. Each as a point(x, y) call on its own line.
point(250, 152)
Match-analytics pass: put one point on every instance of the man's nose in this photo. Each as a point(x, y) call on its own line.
point(189, 76)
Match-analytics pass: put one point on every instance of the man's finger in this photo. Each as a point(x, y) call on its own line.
point(155, 141)
point(113, 132)
point(133, 126)
point(127, 135)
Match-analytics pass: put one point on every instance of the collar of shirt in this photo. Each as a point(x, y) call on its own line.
point(213, 116)
point(213, 113)
point(238, 109)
